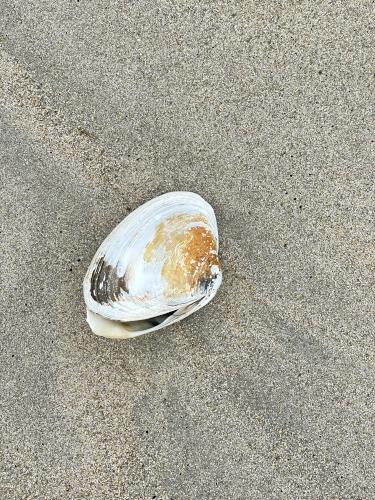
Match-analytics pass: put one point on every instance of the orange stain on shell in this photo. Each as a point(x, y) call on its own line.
point(189, 251)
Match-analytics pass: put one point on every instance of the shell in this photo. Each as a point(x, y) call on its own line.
point(159, 265)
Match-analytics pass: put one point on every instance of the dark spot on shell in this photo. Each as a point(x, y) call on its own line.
point(207, 283)
point(106, 285)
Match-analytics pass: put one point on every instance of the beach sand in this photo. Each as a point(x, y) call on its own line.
point(263, 108)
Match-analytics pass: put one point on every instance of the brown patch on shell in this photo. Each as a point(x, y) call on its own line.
point(189, 253)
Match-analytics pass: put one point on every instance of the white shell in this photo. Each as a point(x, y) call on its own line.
point(159, 265)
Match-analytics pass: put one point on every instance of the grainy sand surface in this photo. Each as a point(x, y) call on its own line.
point(265, 108)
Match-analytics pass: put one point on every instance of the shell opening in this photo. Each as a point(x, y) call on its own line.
point(121, 329)
point(156, 320)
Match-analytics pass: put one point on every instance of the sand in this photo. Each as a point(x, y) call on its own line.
point(263, 108)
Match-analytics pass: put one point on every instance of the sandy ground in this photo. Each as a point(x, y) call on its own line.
point(264, 108)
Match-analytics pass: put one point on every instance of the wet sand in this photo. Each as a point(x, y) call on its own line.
point(263, 108)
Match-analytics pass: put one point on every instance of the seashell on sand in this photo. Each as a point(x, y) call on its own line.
point(159, 265)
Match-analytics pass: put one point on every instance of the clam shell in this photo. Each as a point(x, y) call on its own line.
point(159, 265)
